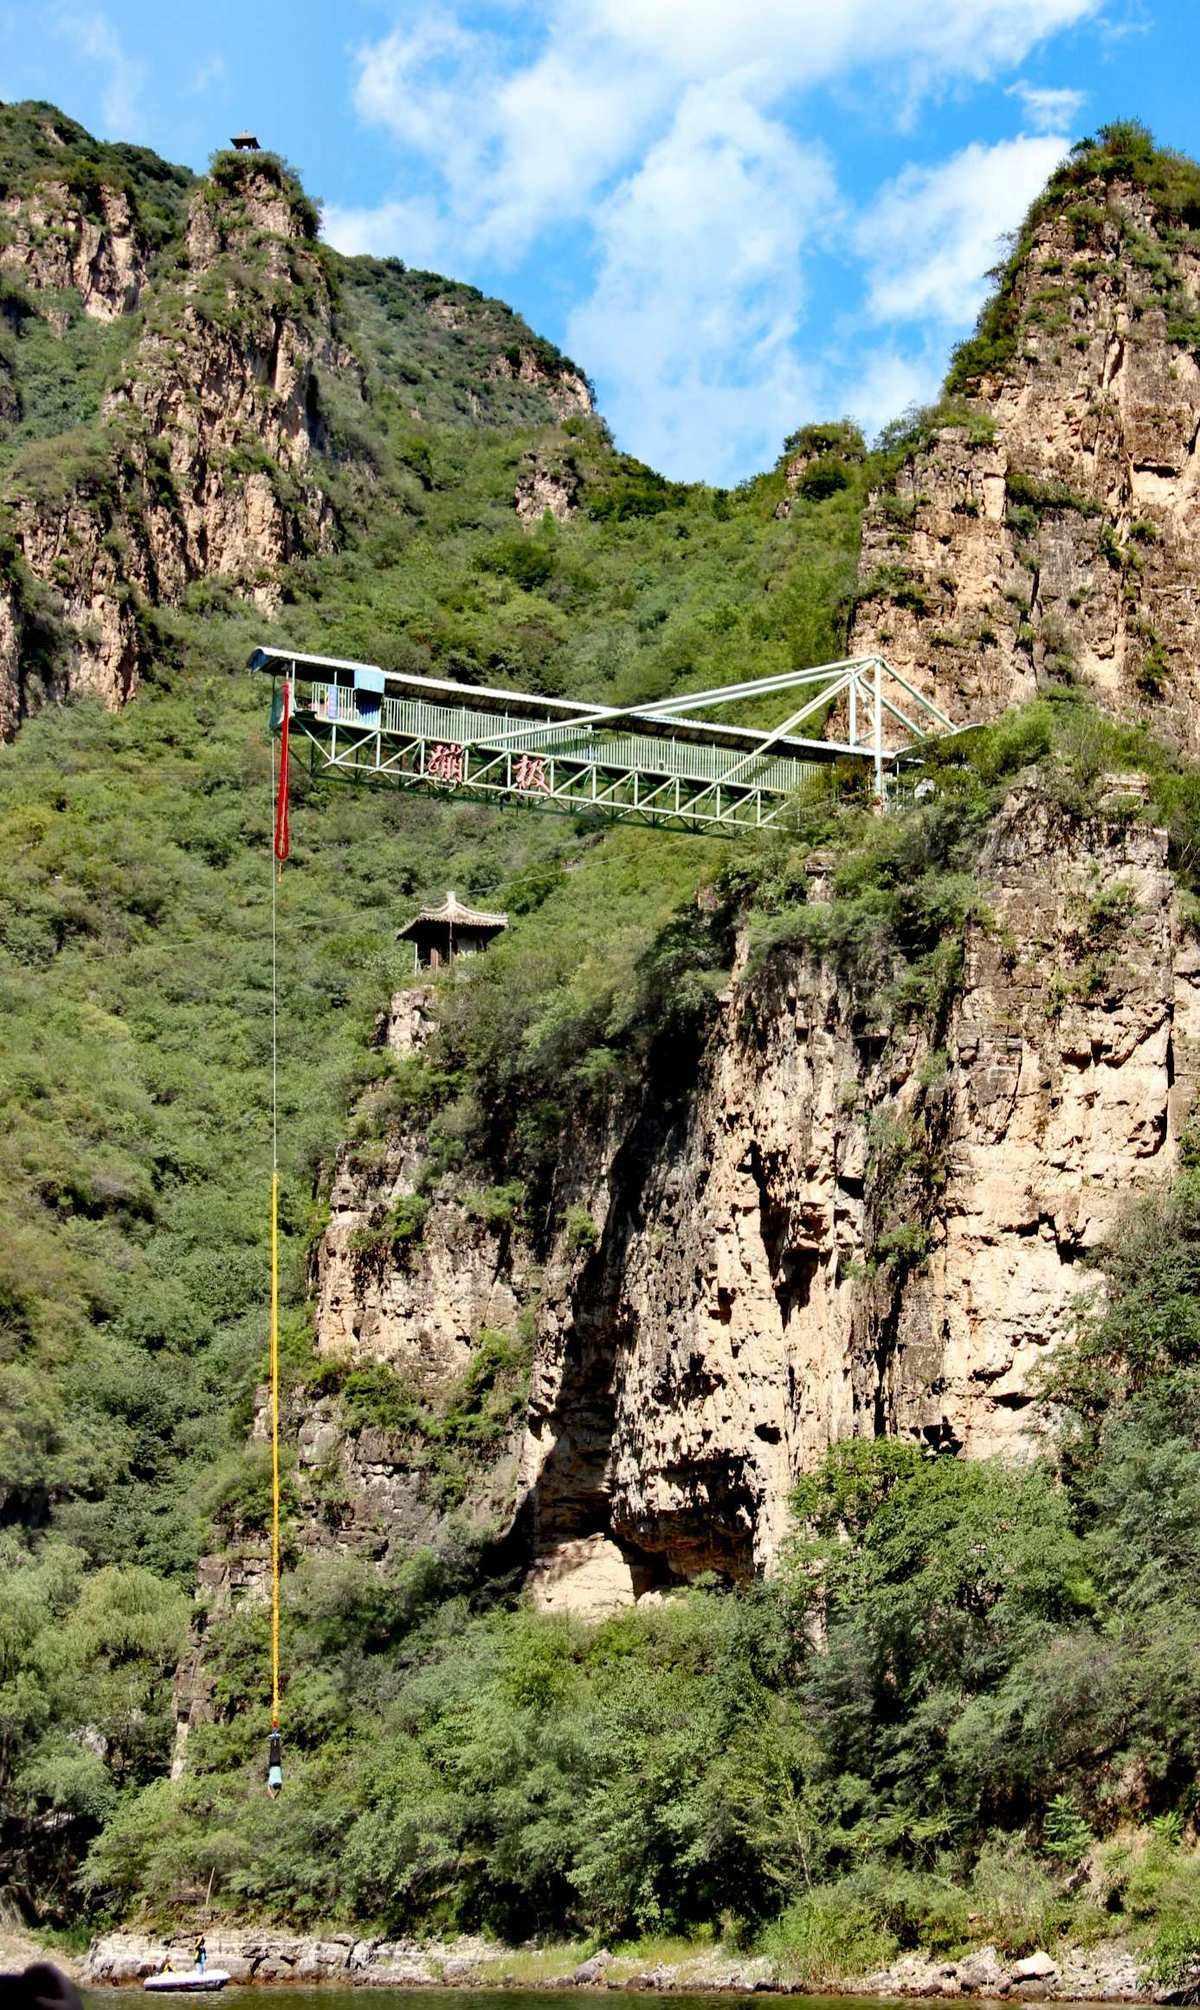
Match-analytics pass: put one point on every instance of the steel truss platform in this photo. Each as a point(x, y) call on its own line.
point(662, 763)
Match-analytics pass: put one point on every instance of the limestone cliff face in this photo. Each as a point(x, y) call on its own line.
point(568, 393)
point(1051, 536)
point(548, 479)
point(53, 242)
point(838, 1226)
point(202, 466)
point(231, 382)
point(418, 1313)
point(230, 422)
point(90, 564)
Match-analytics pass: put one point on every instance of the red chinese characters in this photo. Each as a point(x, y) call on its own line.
point(445, 763)
point(530, 774)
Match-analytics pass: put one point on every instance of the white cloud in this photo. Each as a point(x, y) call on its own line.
point(932, 233)
point(522, 132)
point(420, 81)
point(95, 40)
point(664, 134)
point(799, 43)
point(417, 225)
point(695, 304)
point(211, 71)
point(1047, 109)
point(513, 146)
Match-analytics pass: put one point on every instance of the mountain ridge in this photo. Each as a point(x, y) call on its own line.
point(1041, 538)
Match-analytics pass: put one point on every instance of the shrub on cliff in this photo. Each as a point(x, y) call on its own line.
point(230, 172)
point(1123, 151)
point(1143, 1339)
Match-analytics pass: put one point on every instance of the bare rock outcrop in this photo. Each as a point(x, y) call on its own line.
point(834, 1224)
point(256, 1954)
point(55, 242)
point(84, 565)
point(1105, 1972)
point(204, 464)
point(548, 479)
point(852, 1230)
point(589, 1575)
point(231, 384)
point(1046, 533)
point(568, 394)
point(417, 1311)
point(410, 1020)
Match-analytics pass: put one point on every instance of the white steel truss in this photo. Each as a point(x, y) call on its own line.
point(660, 763)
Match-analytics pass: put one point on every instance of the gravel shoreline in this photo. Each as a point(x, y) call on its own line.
point(1106, 1973)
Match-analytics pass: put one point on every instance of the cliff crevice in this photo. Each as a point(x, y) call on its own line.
point(832, 1221)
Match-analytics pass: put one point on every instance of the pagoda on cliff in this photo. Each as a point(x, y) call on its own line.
point(439, 935)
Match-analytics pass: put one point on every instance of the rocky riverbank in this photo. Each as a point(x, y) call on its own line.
point(1105, 1973)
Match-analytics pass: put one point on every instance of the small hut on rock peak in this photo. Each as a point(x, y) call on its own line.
point(440, 934)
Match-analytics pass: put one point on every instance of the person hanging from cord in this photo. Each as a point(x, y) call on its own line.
point(274, 1762)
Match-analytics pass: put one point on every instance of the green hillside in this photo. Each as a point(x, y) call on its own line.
point(1010, 1669)
point(135, 913)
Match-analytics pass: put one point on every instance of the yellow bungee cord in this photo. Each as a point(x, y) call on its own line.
point(279, 851)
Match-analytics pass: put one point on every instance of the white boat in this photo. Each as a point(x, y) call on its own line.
point(187, 1978)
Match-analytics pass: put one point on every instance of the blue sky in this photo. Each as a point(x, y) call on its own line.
point(737, 214)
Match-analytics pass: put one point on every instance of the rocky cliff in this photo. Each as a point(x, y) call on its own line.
point(831, 1222)
point(1042, 528)
point(54, 241)
point(198, 465)
point(237, 420)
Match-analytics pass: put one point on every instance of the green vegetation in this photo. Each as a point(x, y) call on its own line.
point(38, 143)
point(471, 1415)
point(1027, 491)
point(996, 1739)
point(1002, 1698)
point(901, 437)
point(78, 1648)
point(61, 376)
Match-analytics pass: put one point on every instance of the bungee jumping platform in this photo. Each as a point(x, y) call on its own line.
point(669, 763)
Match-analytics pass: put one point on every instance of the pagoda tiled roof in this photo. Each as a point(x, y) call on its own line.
point(453, 914)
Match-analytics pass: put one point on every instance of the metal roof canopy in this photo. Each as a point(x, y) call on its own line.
point(655, 763)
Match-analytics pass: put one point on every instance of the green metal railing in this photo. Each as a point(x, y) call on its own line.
point(410, 719)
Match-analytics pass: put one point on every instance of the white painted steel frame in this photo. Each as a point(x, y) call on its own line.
point(625, 775)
